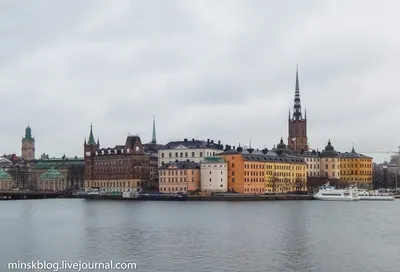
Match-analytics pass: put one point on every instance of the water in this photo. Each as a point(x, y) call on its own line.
point(205, 236)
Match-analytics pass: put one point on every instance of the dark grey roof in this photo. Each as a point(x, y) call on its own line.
point(329, 151)
point(272, 157)
point(181, 165)
point(192, 144)
point(353, 154)
point(228, 152)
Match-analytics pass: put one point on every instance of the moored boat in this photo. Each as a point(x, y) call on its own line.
point(373, 195)
point(330, 193)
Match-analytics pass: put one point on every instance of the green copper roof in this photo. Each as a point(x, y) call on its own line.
point(213, 160)
point(28, 134)
point(91, 137)
point(4, 175)
point(51, 174)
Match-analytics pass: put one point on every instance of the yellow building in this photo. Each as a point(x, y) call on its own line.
point(356, 168)
point(257, 172)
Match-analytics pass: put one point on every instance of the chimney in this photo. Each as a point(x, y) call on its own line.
point(185, 140)
point(234, 148)
point(193, 140)
point(219, 142)
point(264, 151)
point(212, 141)
point(239, 149)
point(250, 150)
point(208, 142)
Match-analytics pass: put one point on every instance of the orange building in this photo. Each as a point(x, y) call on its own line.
point(179, 177)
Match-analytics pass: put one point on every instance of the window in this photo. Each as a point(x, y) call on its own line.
point(210, 172)
point(201, 154)
point(181, 154)
point(170, 154)
point(162, 155)
point(192, 154)
point(186, 154)
point(233, 173)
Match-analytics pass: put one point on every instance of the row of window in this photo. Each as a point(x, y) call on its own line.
point(268, 166)
point(176, 172)
point(186, 154)
point(176, 180)
point(172, 189)
point(115, 162)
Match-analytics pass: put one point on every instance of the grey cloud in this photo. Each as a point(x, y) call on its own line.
point(223, 70)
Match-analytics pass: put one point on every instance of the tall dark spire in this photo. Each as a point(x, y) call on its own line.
point(297, 105)
point(91, 137)
point(153, 139)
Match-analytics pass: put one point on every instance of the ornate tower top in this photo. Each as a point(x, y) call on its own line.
point(153, 139)
point(91, 137)
point(28, 134)
point(297, 105)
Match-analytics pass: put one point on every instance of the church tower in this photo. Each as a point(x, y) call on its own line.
point(297, 140)
point(28, 146)
point(90, 149)
point(91, 146)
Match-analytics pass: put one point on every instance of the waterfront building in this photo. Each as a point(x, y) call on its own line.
point(356, 168)
point(214, 174)
point(297, 138)
point(330, 162)
point(256, 172)
point(192, 150)
point(6, 181)
point(20, 171)
point(179, 177)
point(52, 180)
point(28, 146)
point(73, 168)
point(313, 160)
point(122, 168)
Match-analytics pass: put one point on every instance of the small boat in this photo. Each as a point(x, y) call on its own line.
point(332, 194)
point(374, 195)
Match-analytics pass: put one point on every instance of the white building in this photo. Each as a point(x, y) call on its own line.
point(194, 150)
point(213, 175)
point(313, 160)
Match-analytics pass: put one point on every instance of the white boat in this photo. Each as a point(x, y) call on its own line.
point(333, 194)
point(374, 195)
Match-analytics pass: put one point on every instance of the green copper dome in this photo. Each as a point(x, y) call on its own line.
point(51, 174)
point(4, 175)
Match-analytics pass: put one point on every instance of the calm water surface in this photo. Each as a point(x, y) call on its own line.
point(205, 236)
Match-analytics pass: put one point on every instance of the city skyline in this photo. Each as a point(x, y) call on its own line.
point(222, 71)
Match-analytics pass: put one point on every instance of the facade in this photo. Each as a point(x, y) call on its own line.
point(357, 168)
point(6, 181)
point(52, 180)
point(297, 140)
point(179, 177)
point(214, 174)
point(20, 171)
point(28, 146)
point(73, 168)
point(330, 162)
point(123, 168)
point(194, 150)
point(313, 160)
point(257, 172)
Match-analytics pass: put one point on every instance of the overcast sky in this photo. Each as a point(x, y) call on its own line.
point(223, 70)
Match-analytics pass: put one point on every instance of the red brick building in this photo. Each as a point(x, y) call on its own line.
point(122, 168)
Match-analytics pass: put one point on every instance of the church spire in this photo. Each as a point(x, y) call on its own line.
point(297, 105)
point(91, 137)
point(153, 139)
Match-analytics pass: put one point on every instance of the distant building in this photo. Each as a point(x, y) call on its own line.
point(6, 181)
point(73, 168)
point(123, 168)
point(297, 140)
point(28, 146)
point(357, 168)
point(192, 150)
point(52, 180)
point(214, 174)
point(256, 172)
point(179, 177)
